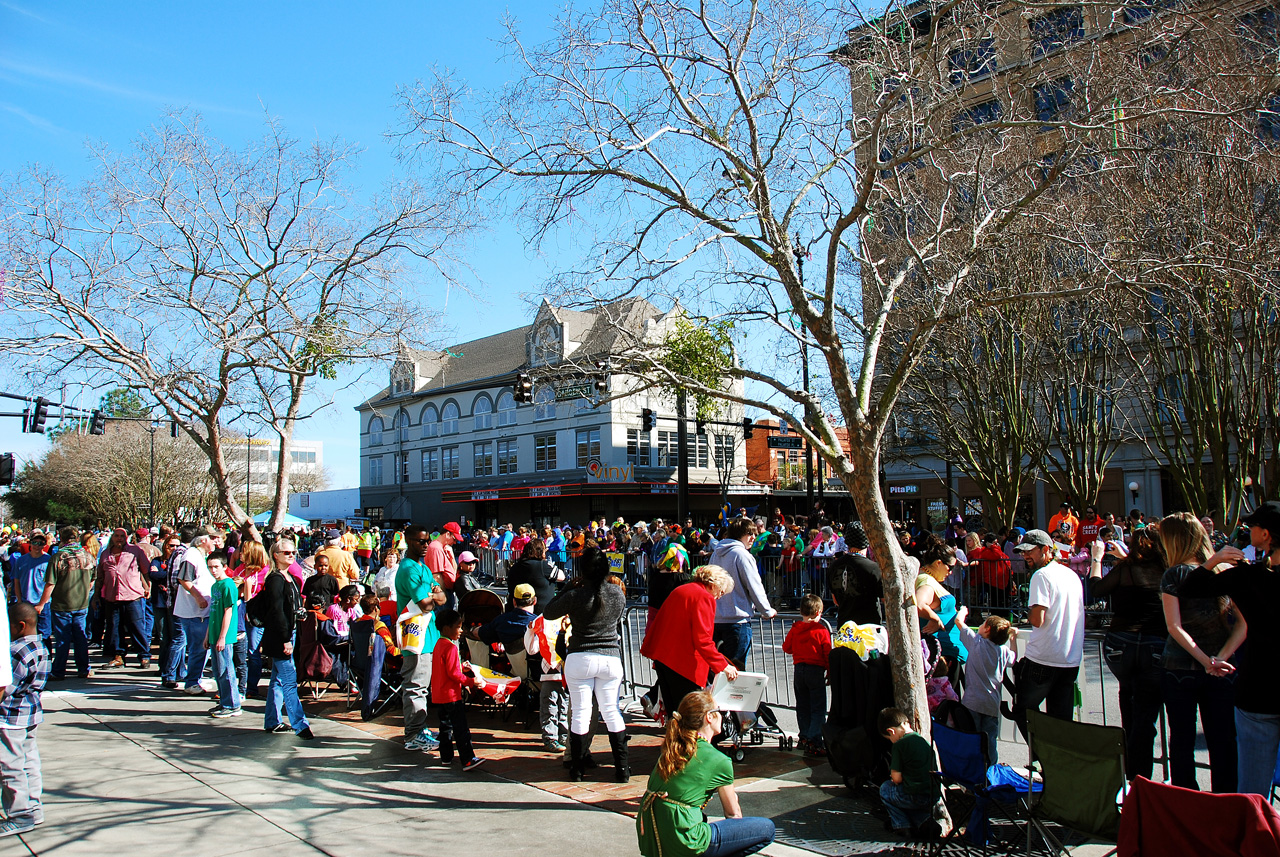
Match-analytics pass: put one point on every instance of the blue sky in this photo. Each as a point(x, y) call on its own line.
point(76, 72)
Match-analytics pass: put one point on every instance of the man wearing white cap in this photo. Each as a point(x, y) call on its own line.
point(1047, 673)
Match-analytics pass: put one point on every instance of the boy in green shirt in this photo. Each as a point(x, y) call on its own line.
point(224, 599)
point(911, 790)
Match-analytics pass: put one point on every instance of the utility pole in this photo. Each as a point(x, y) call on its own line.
point(682, 461)
point(151, 430)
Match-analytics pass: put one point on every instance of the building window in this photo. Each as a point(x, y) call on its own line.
point(482, 410)
point(508, 456)
point(978, 114)
point(507, 409)
point(305, 501)
point(299, 457)
point(667, 449)
point(701, 448)
point(483, 457)
point(400, 463)
point(375, 431)
point(588, 444)
point(545, 511)
point(544, 404)
point(449, 462)
point(637, 447)
point(375, 471)
point(402, 425)
point(430, 421)
point(544, 452)
point(449, 418)
point(430, 465)
point(725, 453)
point(1053, 101)
point(972, 62)
point(1056, 30)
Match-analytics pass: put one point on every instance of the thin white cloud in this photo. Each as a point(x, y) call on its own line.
point(38, 121)
point(75, 80)
point(14, 7)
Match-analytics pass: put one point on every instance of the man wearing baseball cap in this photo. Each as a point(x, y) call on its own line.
point(440, 560)
point(1254, 590)
point(508, 627)
point(1047, 673)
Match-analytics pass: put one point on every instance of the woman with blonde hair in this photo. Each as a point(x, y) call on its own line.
point(689, 770)
point(678, 639)
point(1204, 634)
point(251, 570)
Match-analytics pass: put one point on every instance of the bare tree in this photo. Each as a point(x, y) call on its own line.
point(713, 145)
point(218, 282)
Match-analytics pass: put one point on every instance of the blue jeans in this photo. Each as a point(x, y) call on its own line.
point(1184, 692)
point(44, 622)
point(254, 644)
point(1257, 743)
point(906, 811)
point(1135, 661)
point(282, 693)
point(733, 639)
point(174, 664)
point(811, 700)
point(69, 631)
point(737, 837)
point(197, 655)
point(989, 725)
point(224, 670)
point(125, 622)
point(148, 623)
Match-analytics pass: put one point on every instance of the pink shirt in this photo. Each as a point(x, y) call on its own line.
point(122, 573)
point(439, 559)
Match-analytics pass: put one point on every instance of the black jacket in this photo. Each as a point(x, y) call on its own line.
point(279, 616)
point(536, 573)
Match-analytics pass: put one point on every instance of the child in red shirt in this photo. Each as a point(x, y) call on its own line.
point(809, 644)
point(447, 681)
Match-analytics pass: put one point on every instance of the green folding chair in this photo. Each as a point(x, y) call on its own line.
point(1082, 766)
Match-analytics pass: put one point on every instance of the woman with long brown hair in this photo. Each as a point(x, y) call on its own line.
point(689, 770)
point(249, 575)
point(1204, 634)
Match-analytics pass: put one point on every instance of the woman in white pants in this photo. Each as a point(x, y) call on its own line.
point(593, 666)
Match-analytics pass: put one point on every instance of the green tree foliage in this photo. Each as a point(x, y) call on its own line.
point(703, 352)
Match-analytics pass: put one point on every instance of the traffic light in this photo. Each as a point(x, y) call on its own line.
point(6, 468)
point(524, 387)
point(647, 419)
point(602, 385)
point(173, 428)
point(39, 415)
point(98, 423)
point(700, 426)
point(746, 428)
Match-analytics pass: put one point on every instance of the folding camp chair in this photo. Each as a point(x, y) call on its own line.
point(375, 681)
point(1167, 821)
point(963, 758)
point(1084, 781)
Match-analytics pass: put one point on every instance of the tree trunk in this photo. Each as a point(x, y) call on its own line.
point(223, 489)
point(859, 473)
point(285, 429)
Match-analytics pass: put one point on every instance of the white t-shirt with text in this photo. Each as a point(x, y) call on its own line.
point(1059, 642)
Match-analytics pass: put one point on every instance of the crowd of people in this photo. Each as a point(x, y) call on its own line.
point(1184, 604)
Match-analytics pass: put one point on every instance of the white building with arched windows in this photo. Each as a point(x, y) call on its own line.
point(446, 439)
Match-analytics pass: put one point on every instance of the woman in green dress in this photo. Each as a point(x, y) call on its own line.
point(671, 822)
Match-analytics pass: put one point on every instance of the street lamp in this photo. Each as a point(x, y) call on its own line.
point(804, 368)
point(1133, 492)
point(151, 430)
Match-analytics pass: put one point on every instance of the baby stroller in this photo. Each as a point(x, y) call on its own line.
point(479, 607)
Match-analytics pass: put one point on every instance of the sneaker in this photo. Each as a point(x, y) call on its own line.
point(146, 663)
point(37, 817)
point(306, 734)
point(213, 712)
point(225, 712)
point(14, 826)
point(475, 762)
point(279, 729)
point(167, 685)
point(424, 740)
point(193, 690)
point(553, 746)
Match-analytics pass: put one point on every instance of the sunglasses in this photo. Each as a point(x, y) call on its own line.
point(287, 553)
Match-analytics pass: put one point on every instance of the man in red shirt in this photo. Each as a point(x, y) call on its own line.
point(439, 558)
point(123, 586)
point(1087, 533)
point(992, 571)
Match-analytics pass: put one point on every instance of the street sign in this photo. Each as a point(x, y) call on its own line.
point(573, 391)
point(789, 441)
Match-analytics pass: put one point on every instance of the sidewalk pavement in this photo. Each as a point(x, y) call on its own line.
point(131, 767)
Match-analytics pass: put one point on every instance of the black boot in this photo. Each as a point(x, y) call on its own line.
point(621, 768)
point(576, 746)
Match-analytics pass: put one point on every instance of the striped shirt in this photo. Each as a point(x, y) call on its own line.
point(20, 708)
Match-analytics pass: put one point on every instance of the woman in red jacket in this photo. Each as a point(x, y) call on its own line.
point(678, 639)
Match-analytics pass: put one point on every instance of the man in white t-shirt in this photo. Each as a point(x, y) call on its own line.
point(1047, 671)
point(191, 604)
